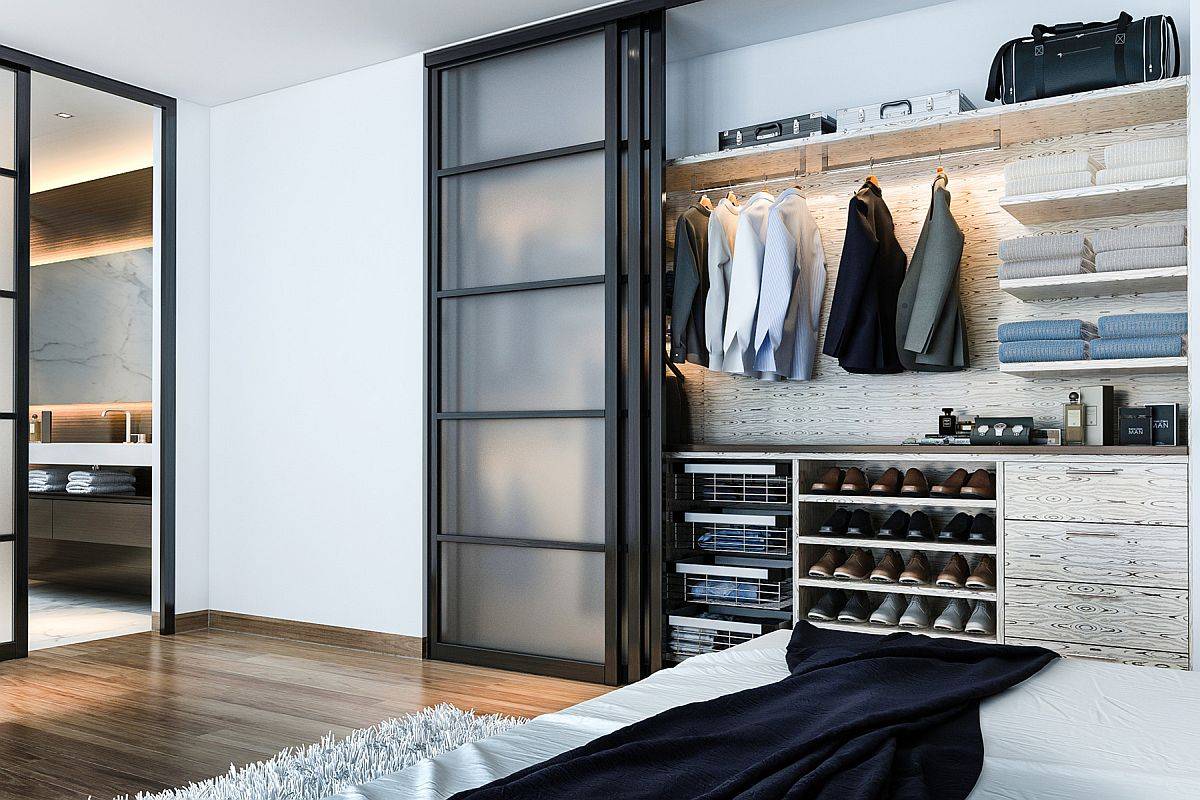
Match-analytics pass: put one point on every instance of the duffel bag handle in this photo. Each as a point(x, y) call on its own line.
point(1040, 31)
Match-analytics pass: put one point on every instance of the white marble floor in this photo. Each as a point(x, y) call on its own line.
point(61, 615)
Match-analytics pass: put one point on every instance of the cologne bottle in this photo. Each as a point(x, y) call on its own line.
point(1073, 420)
point(947, 423)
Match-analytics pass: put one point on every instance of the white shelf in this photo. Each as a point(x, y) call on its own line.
point(1099, 284)
point(897, 544)
point(1100, 367)
point(896, 588)
point(933, 501)
point(1110, 200)
point(884, 630)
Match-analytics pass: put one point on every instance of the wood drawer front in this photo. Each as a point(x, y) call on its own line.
point(41, 518)
point(1118, 655)
point(1137, 494)
point(102, 523)
point(1130, 617)
point(1129, 555)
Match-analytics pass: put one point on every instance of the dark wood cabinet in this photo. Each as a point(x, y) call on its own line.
point(126, 524)
point(41, 518)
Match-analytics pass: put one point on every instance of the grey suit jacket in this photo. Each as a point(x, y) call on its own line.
point(931, 330)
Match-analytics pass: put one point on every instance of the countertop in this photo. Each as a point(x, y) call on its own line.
point(89, 453)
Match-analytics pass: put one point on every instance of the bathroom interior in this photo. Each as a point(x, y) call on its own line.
point(92, 450)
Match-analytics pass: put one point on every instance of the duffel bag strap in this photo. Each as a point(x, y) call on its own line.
point(1040, 31)
point(1119, 47)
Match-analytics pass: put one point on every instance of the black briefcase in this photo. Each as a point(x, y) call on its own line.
point(1079, 57)
point(775, 131)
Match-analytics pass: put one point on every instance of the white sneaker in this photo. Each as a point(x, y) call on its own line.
point(917, 613)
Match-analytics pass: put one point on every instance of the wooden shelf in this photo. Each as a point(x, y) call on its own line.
point(989, 127)
point(1097, 368)
point(1099, 284)
point(920, 502)
point(896, 588)
point(897, 544)
point(1112, 200)
point(884, 630)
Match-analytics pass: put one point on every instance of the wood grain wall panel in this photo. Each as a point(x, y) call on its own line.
point(106, 215)
point(837, 406)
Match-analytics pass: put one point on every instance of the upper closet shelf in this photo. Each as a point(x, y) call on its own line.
point(1097, 368)
point(1099, 284)
point(1111, 200)
point(985, 128)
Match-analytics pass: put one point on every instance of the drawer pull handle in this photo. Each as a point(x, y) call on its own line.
point(1091, 533)
point(1090, 657)
point(1081, 471)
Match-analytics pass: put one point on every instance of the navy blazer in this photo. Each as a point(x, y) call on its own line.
point(861, 332)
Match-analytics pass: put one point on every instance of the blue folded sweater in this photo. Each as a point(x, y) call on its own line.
point(1129, 326)
point(1045, 329)
point(1045, 350)
point(1138, 347)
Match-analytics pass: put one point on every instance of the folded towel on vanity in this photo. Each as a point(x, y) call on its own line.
point(1141, 172)
point(76, 488)
point(43, 488)
point(1053, 164)
point(1048, 183)
point(1129, 326)
point(49, 473)
point(1037, 248)
point(1045, 329)
point(1043, 350)
point(1146, 151)
point(1137, 236)
point(1141, 258)
point(1139, 347)
point(102, 477)
point(1044, 268)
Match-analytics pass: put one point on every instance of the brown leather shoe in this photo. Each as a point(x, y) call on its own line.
point(984, 576)
point(952, 485)
point(915, 484)
point(855, 482)
point(954, 573)
point(857, 567)
point(917, 571)
point(826, 564)
point(981, 485)
point(889, 568)
point(830, 482)
point(888, 484)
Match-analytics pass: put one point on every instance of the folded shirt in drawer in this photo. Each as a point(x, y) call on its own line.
point(1120, 492)
point(1129, 555)
point(1096, 614)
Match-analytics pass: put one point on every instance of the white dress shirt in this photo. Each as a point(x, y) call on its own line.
point(722, 232)
point(744, 284)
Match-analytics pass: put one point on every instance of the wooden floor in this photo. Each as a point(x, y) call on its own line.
point(145, 712)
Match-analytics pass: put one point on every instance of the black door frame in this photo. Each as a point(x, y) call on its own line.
point(26, 63)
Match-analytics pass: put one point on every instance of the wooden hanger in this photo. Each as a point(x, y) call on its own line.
point(706, 202)
point(731, 197)
point(873, 180)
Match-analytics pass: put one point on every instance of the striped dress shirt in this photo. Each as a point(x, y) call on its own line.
point(744, 285)
point(722, 232)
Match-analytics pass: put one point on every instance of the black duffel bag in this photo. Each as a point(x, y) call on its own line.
point(1078, 57)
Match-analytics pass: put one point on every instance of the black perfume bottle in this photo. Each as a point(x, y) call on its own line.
point(947, 423)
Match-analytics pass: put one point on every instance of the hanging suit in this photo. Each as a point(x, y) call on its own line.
point(861, 332)
point(691, 287)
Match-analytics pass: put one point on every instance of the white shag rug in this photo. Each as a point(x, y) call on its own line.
point(330, 766)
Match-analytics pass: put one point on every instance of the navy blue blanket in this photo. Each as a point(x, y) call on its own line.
point(861, 716)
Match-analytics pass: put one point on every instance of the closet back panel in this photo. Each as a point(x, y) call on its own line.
point(837, 406)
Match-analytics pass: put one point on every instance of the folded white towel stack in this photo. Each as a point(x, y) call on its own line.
point(1141, 247)
point(1049, 173)
point(1144, 160)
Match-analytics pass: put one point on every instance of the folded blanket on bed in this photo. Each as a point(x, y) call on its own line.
point(1146, 151)
point(1057, 245)
point(1045, 350)
point(1043, 268)
point(1042, 329)
point(1133, 236)
point(1138, 347)
point(861, 717)
point(1127, 326)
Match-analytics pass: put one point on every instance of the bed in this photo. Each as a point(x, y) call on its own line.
point(1078, 729)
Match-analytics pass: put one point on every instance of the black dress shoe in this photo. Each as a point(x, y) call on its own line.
point(920, 529)
point(983, 530)
point(836, 524)
point(956, 530)
point(860, 524)
point(895, 527)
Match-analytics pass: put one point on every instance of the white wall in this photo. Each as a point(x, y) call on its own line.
point(316, 351)
point(932, 49)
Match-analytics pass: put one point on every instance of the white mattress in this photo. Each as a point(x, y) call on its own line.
point(1078, 729)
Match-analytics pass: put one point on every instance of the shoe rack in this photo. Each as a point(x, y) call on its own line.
point(811, 510)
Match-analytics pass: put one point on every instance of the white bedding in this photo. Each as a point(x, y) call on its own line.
point(1078, 729)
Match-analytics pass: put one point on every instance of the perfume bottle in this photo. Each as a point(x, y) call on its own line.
point(947, 423)
point(1073, 420)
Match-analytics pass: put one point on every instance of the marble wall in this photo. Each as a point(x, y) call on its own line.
point(90, 327)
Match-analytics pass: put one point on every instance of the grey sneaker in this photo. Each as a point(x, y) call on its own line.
point(954, 617)
point(857, 609)
point(828, 606)
point(982, 621)
point(917, 613)
point(889, 611)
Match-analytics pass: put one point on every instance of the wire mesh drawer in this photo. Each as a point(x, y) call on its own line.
point(733, 484)
point(728, 583)
point(757, 534)
point(692, 634)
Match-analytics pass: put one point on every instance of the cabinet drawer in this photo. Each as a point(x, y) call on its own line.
point(41, 518)
point(1118, 655)
point(1129, 555)
point(1137, 494)
point(1095, 614)
point(102, 523)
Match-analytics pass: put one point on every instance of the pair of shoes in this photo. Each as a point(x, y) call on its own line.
point(835, 480)
point(835, 564)
point(893, 483)
point(845, 523)
point(958, 617)
point(979, 484)
point(912, 612)
point(957, 573)
point(916, 527)
point(834, 605)
point(854, 481)
point(978, 529)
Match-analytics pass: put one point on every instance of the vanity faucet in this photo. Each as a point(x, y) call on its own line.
point(128, 421)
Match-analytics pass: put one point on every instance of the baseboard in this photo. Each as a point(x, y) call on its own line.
point(185, 622)
point(353, 638)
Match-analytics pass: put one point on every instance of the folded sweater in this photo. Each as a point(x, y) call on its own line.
point(1059, 245)
point(1017, 270)
point(1125, 326)
point(1053, 164)
point(1045, 329)
point(1138, 347)
point(1048, 183)
point(1141, 258)
point(1044, 350)
point(1136, 236)
point(1141, 172)
point(1146, 151)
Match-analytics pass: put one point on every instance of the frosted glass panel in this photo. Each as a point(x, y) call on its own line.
point(7, 550)
point(523, 600)
point(524, 478)
point(524, 102)
point(528, 222)
point(532, 351)
point(8, 195)
point(7, 309)
point(8, 122)
point(7, 525)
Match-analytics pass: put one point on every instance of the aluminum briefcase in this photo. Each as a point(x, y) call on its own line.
point(775, 131)
point(919, 107)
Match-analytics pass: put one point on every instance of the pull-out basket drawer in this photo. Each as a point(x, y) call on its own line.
point(734, 532)
point(1122, 492)
point(731, 581)
point(732, 483)
point(691, 634)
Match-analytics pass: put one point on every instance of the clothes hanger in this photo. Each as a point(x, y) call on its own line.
point(731, 197)
point(706, 202)
point(873, 180)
